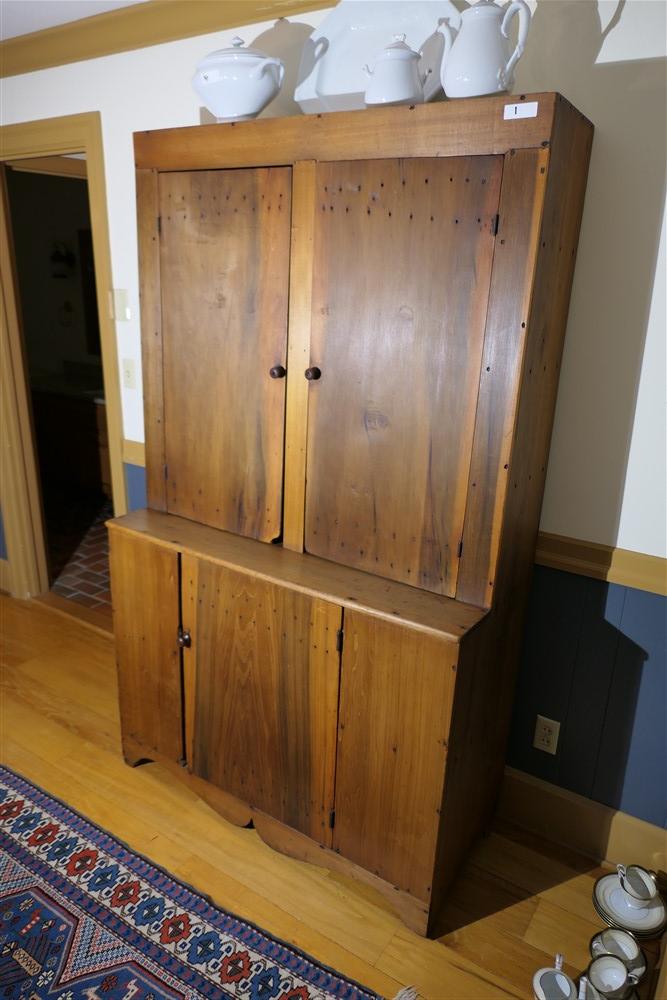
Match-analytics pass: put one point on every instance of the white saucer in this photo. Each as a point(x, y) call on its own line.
point(610, 901)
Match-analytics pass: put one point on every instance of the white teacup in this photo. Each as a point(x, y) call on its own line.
point(639, 884)
point(623, 945)
point(554, 984)
point(611, 977)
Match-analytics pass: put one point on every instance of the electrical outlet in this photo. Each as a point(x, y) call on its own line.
point(546, 734)
point(129, 369)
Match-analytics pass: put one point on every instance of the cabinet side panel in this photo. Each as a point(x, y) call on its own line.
point(395, 710)
point(224, 261)
point(561, 222)
point(266, 696)
point(489, 655)
point(148, 210)
point(144, 586)
point(402, 265)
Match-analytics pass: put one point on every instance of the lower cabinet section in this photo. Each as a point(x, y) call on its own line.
point(325, 723)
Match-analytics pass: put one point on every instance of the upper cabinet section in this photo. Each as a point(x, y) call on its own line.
point(352, 326)
point(223, 264)
point(401, 272)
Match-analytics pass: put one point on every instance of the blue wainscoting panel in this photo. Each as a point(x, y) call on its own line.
point(594, 659)
point(632, 774)
point(3, 543)
point(135, 481)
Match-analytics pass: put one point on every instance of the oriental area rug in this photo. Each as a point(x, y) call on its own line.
point(84, 918)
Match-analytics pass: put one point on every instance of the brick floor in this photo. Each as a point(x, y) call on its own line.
point(85, 578)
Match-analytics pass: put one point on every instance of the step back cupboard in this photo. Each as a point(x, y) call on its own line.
point(352, 327)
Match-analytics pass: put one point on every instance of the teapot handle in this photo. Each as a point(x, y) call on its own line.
point(523, 10)
point(444, 26)
point(261, 69)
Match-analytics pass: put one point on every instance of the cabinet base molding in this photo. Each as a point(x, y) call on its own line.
point(229, 807)
point(588, 827)
point(413, 912)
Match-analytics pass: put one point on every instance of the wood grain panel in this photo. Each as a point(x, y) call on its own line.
point(452, 128)
point(521, 202)
point(300, 297)
point(145, 597)
point(396, 602)
point(224, 267)
point(395, 708)
point(399, 340)
point(148, 211)
point(267, 696)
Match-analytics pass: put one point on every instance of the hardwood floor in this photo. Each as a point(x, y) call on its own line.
point(517, 902)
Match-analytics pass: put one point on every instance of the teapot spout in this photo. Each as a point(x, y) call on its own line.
point(367, 70)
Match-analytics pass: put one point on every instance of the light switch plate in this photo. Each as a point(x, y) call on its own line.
point(120, 304)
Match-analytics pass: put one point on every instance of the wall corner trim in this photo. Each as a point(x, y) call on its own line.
point(602, 562)
point(587, 827)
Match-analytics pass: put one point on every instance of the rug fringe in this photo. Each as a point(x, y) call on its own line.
point(407, 993)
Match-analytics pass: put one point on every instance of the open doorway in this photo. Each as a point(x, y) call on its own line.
point(54, 146)
point(50, 225)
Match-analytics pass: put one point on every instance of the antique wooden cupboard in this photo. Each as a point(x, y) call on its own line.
point(352, 326)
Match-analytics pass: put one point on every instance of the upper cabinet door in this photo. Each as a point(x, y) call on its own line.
point(224, 269)
point(402, 264)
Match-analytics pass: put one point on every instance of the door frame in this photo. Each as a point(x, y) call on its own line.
point(21, 494)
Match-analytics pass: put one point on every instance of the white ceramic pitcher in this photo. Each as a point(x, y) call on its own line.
point(477, 61)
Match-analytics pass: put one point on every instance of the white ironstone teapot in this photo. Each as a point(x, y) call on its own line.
point(396, 77)
point(477, 61)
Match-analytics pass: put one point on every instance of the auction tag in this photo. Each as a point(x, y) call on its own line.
point(526, 109)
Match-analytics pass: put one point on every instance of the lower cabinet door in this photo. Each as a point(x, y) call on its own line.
point(261, 693)
point(145, 595)
point(395, 708)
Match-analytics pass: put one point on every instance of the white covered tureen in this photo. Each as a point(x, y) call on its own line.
point(237, 83)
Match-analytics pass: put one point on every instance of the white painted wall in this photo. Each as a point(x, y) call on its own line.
point(606, 478)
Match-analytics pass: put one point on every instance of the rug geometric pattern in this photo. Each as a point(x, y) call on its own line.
point(84, 918)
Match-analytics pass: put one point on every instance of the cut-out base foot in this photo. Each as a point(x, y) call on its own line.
point(414, 912)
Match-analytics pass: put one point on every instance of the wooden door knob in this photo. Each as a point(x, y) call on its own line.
point(277, 371)
point(312, 374)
